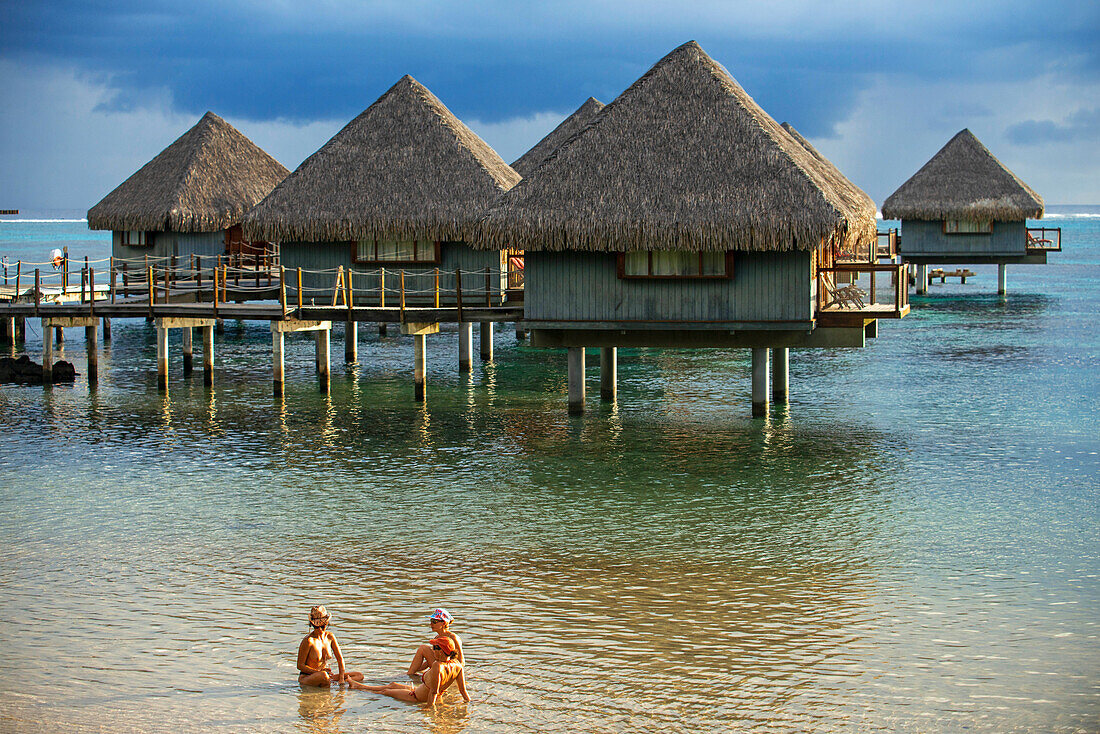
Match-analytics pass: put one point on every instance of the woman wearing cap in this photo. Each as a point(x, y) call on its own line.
point(440, 622)
point(316, 649)
point(445, 670)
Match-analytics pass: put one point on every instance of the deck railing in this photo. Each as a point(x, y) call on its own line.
point(218, 279)
point(1044, 239)
point(867, 290)
point(886, 246)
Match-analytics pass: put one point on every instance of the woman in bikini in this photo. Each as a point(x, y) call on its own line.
point(440, 622)
point(316, 649)
point(444, 671)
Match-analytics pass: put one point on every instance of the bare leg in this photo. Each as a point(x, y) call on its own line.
point(378, 689)
point(320, 679)
point(422, 660)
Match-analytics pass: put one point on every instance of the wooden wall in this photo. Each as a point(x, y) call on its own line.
point(166, 244)
point(330, 255)
point(927, 238)
point(584, 286)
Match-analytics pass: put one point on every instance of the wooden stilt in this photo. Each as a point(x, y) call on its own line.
point(162, 358)
point(92, 338)
point(188, 354)
point(323, 359)
point(351, 341)
point(465, 345)
point(277, 362)
point(382, 328)
point(47, 353)
point(208, 355)
point(609, 373)
point(419, 367)
point(486, 341)
point(576, 380)
point(106, 330)
point(780, 372)
point(759, 382)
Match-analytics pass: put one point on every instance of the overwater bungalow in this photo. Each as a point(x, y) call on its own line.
point(386, 201)
point(684, 216)
point(966, 207)
point(190, 199)
point(569, 127)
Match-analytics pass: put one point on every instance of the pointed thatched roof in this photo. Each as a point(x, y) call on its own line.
point(683, 159)
point(406, 168)
point(854, 194)
point(964, 181)
point(203, 182)
point(569, 127)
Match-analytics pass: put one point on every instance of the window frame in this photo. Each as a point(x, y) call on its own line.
point(354, 244)
point(124, 238)
point(727, 262)
point(987, 222)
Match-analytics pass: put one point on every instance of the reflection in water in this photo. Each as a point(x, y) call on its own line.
point(320, 710)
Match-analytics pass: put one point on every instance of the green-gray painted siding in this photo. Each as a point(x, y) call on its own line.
point(165, 244)
point(584, 286)
point(920, 237)
point(328, 256)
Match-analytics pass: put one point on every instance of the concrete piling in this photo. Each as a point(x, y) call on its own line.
point(576, 380)
point(351, 342)
point(1002, 279)
point(162, 358)
point(208, 355)
point(609, 373)
point(486, 341)
point(278, 375)
point(188, 353)
point(419, 367)
point(323, 359)
point(47, 353)
point(759, 382)
point(780, 374)
point(92, 339)
point(465, 346)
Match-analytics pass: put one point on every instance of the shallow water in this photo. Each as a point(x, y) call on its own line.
point(910, 545)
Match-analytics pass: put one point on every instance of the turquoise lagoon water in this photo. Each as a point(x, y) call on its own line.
point(910, 545)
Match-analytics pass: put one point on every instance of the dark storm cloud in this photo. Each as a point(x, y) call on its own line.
point(266, 61)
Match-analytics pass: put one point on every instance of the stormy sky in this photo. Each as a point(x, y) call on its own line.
point(93, 89)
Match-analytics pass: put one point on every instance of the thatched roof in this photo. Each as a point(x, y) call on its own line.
point(405, 168)
point(569, 127)
point(204, 182)
point(683, 159)
point(964, 181)
point(854, 194)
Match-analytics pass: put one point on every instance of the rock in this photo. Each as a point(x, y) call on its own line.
point(27, 372)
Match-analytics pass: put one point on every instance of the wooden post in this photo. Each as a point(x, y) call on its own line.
point(871, 293)
point(488, 286)
point(162, 358)
point(486, 341)
point(215, 274)
point(759, 382)
point(402, 295)
point(351, 341)
point(92, 340)
point(382, 328)
point(125, 281)
point(65, 271)
point(106, 330)
point(37, 290)
point(338, 286)
point(21, 328)
point(780, 374)
point(458, 292)
point(299, 289)
point(419, 367)
point(349, 292)
point(198, 277)
point(277, 362)
point(7, 328)
point(18, 272)
point(113, 279)
point(282, 289)
point(152, 289)
point(465, 345)
point(323, 359)
point(609, 373)
point(168, 284)
point(382, 288)
point(188, 363)
point(437, 287)
point(91, 291)
point(59, 336)
point(576, 380)
point(208, 355)
point(47, 353)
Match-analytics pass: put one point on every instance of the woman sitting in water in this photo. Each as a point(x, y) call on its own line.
point(315, 651)
point(445, 670)
point(440, 622)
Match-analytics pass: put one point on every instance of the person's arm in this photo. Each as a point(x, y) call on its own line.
point(433, 687)
point(339, 656)
point(462, 685)
point(458, 648)
point(303, 654)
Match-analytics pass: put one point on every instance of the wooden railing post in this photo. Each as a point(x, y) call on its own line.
point(488, 287)
point(18, 268)
point(198, 276)
point(113, 279)
point(37, 290)
point(437, 287)
point(282, 289)
point(91, 291)
point(65, 271)
point(349, 289)
point(402, 295)
point(382, 287)
point(338, 285)
point(125, 281)
point(299, 289)
point(458, 292)
point(215, 274)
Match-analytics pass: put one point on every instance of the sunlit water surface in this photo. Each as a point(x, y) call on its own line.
point(910, 545)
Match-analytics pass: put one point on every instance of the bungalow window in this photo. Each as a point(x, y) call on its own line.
point(136, 239)
point(967, 226)
point(396, 251)
point(675, 264)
